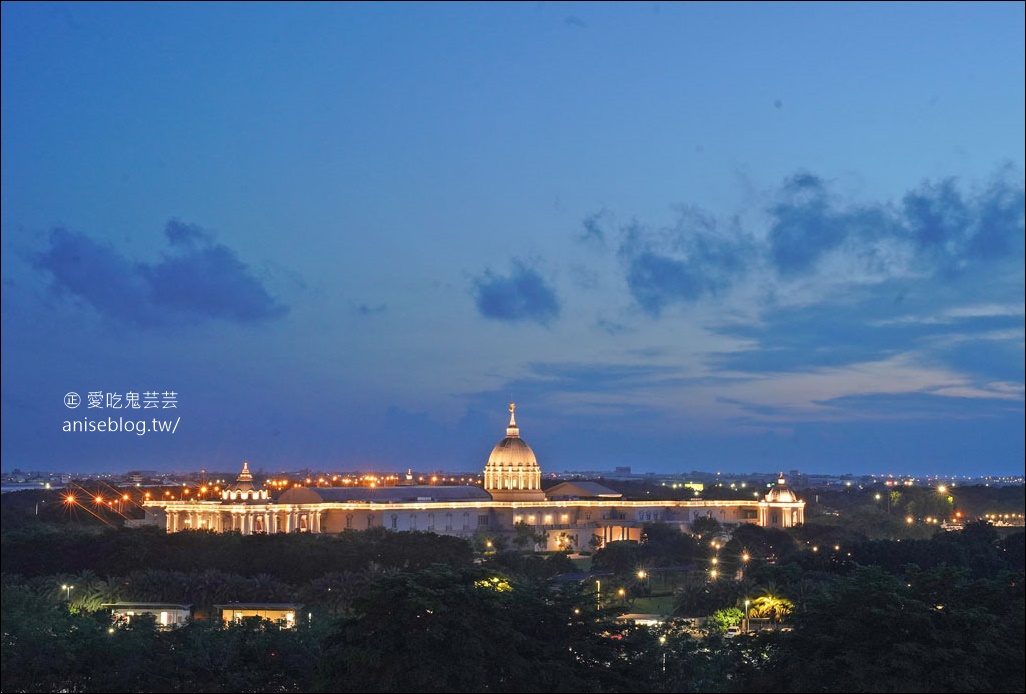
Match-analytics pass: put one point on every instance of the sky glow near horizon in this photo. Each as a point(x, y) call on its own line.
point(701, 236)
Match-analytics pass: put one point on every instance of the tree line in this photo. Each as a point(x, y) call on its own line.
point(418, 612)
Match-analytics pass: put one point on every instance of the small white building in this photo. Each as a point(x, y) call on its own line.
point(167, 615)
point(284, 614)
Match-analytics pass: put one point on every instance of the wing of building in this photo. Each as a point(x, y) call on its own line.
point(570, 515)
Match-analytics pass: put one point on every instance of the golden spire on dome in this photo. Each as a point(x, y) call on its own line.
point(244, 476)
point(512, 429)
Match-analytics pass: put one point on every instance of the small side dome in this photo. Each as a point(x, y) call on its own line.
point(780, 493)
point(244, 489)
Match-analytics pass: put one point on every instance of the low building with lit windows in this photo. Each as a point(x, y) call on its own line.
point(284, 614)
point(166, 615)
point(568, 516)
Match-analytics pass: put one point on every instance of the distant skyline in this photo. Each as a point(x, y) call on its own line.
point(680, 236)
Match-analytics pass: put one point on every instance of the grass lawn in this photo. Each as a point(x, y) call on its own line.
point(658, 604)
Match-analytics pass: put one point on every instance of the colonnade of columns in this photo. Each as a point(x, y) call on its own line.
point(781, 516)
point(613, 533)
point(248, 521)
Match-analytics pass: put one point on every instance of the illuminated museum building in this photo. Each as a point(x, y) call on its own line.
point(568, 514)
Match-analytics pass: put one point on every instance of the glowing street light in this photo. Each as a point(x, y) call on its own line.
point(67, 591)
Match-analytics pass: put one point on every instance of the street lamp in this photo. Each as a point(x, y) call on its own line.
point(67, 592)
point(642, 575)
point(747, 622)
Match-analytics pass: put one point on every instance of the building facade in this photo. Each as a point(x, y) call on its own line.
point(568, 516)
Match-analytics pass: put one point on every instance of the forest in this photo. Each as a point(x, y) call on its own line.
point(868, 605)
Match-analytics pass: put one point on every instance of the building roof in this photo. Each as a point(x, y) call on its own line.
point(147, 606)
point(581, 490)
point(260, 606)
point(244, 482)
point(407, 494)
point(643, 619)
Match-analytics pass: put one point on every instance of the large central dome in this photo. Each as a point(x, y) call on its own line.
point(512, 472)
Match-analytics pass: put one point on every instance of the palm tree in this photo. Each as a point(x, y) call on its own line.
point(104, 591)
point(771, 607)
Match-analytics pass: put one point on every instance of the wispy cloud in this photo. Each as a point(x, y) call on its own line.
point(197, 280)
point(936, 234)
point(521, 296)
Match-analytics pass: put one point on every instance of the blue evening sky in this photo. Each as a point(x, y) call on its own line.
point(681, 236)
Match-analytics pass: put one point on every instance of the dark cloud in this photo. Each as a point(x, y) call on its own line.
point(366, 310)
point(937, 232)
point(523, 295)
point(948, 230)
point(682, 264)
point(198, 280)
point(97, 273)
point(211, 282)
point(954, 231)
point(807, 224)
point(593, 233)
point(181, 234)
